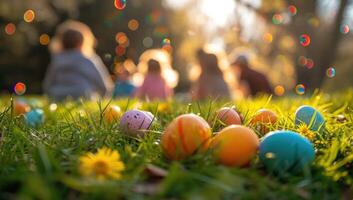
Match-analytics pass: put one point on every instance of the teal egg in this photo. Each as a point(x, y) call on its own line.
point(311, 117)
point(35, 117)
point(286, 151)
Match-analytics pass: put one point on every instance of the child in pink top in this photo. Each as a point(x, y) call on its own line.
point(154, 86)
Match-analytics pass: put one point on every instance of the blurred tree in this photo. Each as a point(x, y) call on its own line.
point(324, 34)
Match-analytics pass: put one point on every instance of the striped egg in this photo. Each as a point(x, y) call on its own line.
point(185, 135)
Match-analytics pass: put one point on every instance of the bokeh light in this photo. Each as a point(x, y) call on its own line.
point(120, 4)
point(302, 60)
point(122, 39)
point(20, 88)
point(147, 42)
point(292, 10)
point(268, 38)
point(331, 72)
point(120, 50)
point(309, 63)
point(29, 16)
point(344, 29)
point(279, 90)
point(10, 29)
point(277, 19)
point(133, 25)
point(44, 39)
point(304, 40)
point(300, 89)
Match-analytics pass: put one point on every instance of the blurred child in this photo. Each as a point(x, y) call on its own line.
point(154, 85)
point(210, 82)
point(252, 81)
point(123, 85)
point(76, 70)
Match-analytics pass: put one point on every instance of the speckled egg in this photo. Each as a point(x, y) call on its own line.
point(21, 107)
point(235, 145)
point(286, 151)
point(135, 122)
point(311, 117)
point(184, 136)
point(35, 117)
point(228, 116)
point(112, 114)
point(263, 119)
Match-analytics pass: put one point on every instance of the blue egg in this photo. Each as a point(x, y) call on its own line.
point(286, 151)
point(35, 117)
point(311, 117)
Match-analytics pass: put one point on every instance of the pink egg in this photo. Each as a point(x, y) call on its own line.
point(135, 122)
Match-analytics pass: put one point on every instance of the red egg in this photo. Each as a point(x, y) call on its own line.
point(228, 116)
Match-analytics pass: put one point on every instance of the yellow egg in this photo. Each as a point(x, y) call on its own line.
point(185, 136)
point(235, 146)
point(112, 114)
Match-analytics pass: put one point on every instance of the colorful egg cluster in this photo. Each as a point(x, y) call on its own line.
point(184, 136)
point(286, 151)
point(136, 122)
point(309, 116)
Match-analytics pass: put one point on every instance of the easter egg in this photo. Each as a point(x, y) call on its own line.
point(235, 145)
point(112, 114)
point(135, 122)
point(262, 119)
point(286, 151)
point(228, 116)
point(35, 117)
point(311, 117)
point(21, 108)
point(149, 114)
point(185, 135)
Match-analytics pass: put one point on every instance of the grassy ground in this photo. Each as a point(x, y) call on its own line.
point(42, 162)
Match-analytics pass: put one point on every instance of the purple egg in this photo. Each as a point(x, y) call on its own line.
point(135, 122)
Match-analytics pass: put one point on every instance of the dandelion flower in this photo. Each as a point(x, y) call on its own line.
point(102, 165)
point(306, 132)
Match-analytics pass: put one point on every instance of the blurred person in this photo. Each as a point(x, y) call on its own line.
point(154, 86)
point(211, 82)
point(123, 84)
point(76, 70)
point(252, 82)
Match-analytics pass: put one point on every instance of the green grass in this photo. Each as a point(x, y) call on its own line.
point(42, 162)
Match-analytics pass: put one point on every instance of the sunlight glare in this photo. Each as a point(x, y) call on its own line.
point(219, 13)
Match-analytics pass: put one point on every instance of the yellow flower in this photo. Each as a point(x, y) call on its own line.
point(104, 164)
point(306, 132)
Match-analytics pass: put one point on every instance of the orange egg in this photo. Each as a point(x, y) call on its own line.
point(228, 116)
point(235, 146)
point(263, 119)
point(112, 114)
point(21, 108)
point(184, 136)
